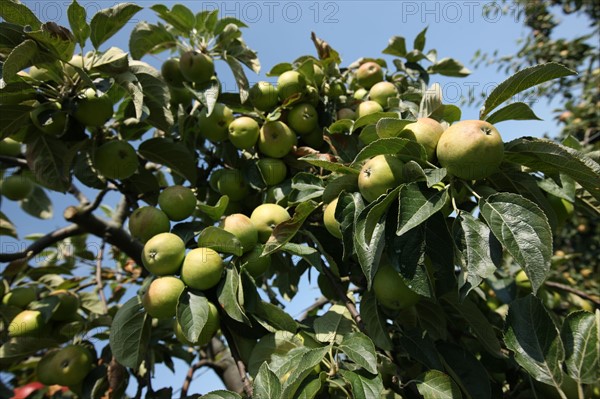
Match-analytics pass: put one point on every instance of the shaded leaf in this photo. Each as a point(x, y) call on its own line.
point(148, 38)
point(434, 384)
point(192, 314)
point(171, 154)
point(364, 386)
point(105, 23)
point(130, 333)
point(38, 204)
point(360, 349)
point(517, 111)
point(581, 336)
point(417, 204)
point(220, 240)
point(77, 21)
point(266, 384)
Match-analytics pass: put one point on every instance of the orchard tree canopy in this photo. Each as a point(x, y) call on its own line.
point(430, 238)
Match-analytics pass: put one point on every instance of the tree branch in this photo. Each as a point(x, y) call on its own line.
point(241, 367)
point(99, 278)
point(13, 161)
point(568, 288)
point(42, 243)
point(190, 375)
point(108, 230)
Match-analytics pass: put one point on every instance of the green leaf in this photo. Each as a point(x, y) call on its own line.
point(228, 294)
point(221, 394)
point(523, 80)
point(19, 14)
point(553, 158)
point(391, 127)
point(364, 386)
point(417, 204)
point(180, 17)
point(341, 126)
point(372, 119)
point(18, 59)
point(21, 347)
point(53, 41)
point(37, 204)
point(16, 92)
point(7, 228)
point(394, 145)
point(396, 47)
point(240, 77)
point(192, 314)
point(530, 333)
point(105, 23)
point(360, 349)
point(581, 336)
point(275, 317)
point(280, 68)
point(285, 231)
point(333, 325)
point(419, 43)
point(112, 61)
point(215, 212)
point(449, 67)
point(220, 240)
point(14, 119)
point(207, 94)
point(171, 154)
point(434, 384)
point(302, 369)
point(466, 370)
point(77, 21)
point(266, 384)
point(374, 321)
point(130, 333)
point(156, 95)
point(523, 229)
point(431, 101)
point(515, 111)
point(50, 160)
point(348, 183)
point(309, 389)
point(148, 38)
point(326, 162)
point(420, 346)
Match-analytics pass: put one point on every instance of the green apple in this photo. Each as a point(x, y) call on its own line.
point(265, 217)
point(171, 72)
point(276, 139)
point(378, 175)
point(471, 149)
point(180, 335)
point(196, 67)
point(522, 280)
point(335, 90)
point(177, 202)
point(367, 108)
point(215, 127)
point(49, 118)
point(10, 147)
point(346, 113)
point(329, 220)
point(160, 300)
point(272, 170)
point(20, 297)
point(202, 268)
point(27, 323)
point(382, 91)
point(360, 93)
point(148, 221)
point(44, 74)
point(163, 254)
point(303, 118)
point(16, 187)
point(562, 208)
point(290, 83)
point(263, 96)
point(68, 305)
point(425, 131)
point(67, 366)
point(180, 96)
point(390, 290)
point(254, 263)
point(311, 96)
point(116, 159)
point(242, 227)
point(93, 110)
point(368, 74)
point(231, 182)
point(212, 325)
point(243, 132)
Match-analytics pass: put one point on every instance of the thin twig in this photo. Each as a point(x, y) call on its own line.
point(316, 305)
point(568, 288)
point(76, 192)
point(238, 362)
point(42, 243)
point(99, 283)
point(190, 375)
point(13, 161)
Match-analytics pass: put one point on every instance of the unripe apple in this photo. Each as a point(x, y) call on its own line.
point(425, 131)
point(231, 182)
point(265, 217)
point(26, 324)
point(243, 132)
point(148, 221)
point(254, 263)
point(367, 108)
point(171, 72)
point(471, 149)
point(160, 300)
point(10, 147)
point(177, 202)
point(163, 254)
point(180, 96)
point(67, 366)
point(196, 67)
point(202, 268)
point(68, 305)
point(276, 139)
point(263, 96)
point(360, 93)
point(16, 187)
point(381, 92)
point(43, 74)
point(303, 118)
point(273, 170)
point(346, 113)
point(329, 220)
point(379, 174)
point(116, 159)
point(242, 227)
point(93, 110)
point(215, 127)
point(390, 290)
point(368, 74)
point(49, 118)
point(290, 83)
point(20, 297)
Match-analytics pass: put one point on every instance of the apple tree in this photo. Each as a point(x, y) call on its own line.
point(429, 237)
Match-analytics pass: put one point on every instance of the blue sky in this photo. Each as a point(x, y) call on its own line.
point(280, 32)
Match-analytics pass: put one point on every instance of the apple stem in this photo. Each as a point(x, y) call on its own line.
point(472, 191)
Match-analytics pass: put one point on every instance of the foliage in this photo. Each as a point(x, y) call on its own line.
point(479, 329)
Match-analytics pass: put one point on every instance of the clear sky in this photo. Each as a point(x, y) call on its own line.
point(280, 32)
